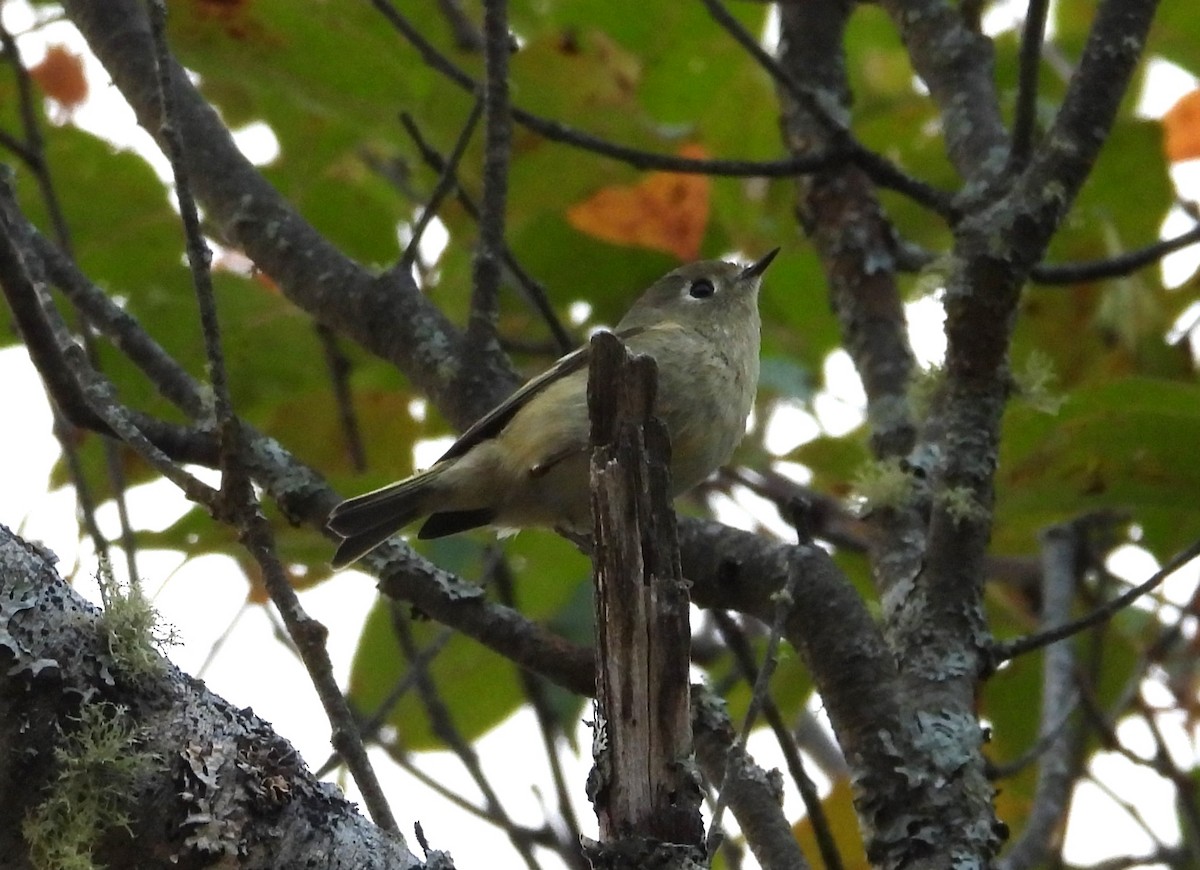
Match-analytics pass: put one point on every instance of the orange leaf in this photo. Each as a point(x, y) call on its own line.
point(60, 76)
point(1182, 126)
point(665, 211)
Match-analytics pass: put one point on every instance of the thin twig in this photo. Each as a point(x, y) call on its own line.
point(237, 496)
point(447, 182)
point(784, 599)
point(533, 290)
point(1002, 652)
point(1185, 785)
point(497, 143)
point(62, 363)
point(33, 153)
point(339, 374)
point(121, 328)
point(535, 693)
point(370, 726)
point(1025, 121)
point(1113, 267)
point(467, 35)
point(735, 639)
point(882, 172)
point(913, 258)
point(1061, 569)
point(538, 836)
point(1130, 809)
point(443, 725)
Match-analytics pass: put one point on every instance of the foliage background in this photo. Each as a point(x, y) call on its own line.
point(330, 80)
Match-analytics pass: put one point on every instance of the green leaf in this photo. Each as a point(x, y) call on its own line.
point(1107, 448)
point(486, 686)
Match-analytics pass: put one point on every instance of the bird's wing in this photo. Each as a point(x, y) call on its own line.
point(490, 424)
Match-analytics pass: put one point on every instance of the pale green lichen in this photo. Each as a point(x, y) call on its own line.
point(99, 763)
point(135, 632)
point(961, 504)
point(1035, 380)
point(884, 484)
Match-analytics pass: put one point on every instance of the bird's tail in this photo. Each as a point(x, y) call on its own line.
point(366, 521)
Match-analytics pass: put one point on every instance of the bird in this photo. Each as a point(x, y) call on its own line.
point(525, 463)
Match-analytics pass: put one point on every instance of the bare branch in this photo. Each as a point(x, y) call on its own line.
point(735, 639)
point(1002, 652)
point(837, 135)
point(841, 212)
point(240, 505)
point(1114, 267)
point(1041, 836)
point(640, 159)
point(446, 183)
point(443, 726)
point(339, 370)
point(956, 65)
point(753, 794)
point(486, 272)
point(268, 799)
point(1025, 121)
point(388, 315)
point(533, 290)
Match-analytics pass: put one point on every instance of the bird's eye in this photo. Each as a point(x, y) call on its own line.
point(701, 288)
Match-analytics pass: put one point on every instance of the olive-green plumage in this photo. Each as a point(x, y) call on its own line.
point(526, 462)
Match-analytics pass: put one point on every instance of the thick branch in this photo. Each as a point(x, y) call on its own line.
point(841, 213)
point(207, 754)
point(956, 65)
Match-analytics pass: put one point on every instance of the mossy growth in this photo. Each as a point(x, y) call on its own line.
point(883, 484)
point(137, 636)
point(99, 763)
point(1035, 381)
point(960, 502)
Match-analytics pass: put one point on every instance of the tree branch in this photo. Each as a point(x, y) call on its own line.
point(1113, 267)
point(482, 343)
point(1041, 836)
point(388, 315)
point(956, 65)
point(533, 290)
point(1032, 33)
point(753, 794)
point(816, 104)
point(559, 132)
point(840, 211)
point(1002, 652)
point(208, 754)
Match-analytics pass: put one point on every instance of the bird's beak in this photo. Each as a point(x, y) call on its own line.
point(757, 268)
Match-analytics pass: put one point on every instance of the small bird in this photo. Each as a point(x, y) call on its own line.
point(525, 463)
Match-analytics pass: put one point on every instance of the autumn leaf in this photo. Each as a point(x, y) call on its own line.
point(665, 211)
point(1182, 126)
point(841, 822)
point(60, 76)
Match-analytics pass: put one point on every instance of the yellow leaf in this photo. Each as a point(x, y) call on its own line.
point(665, 211)
point(843, 825)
